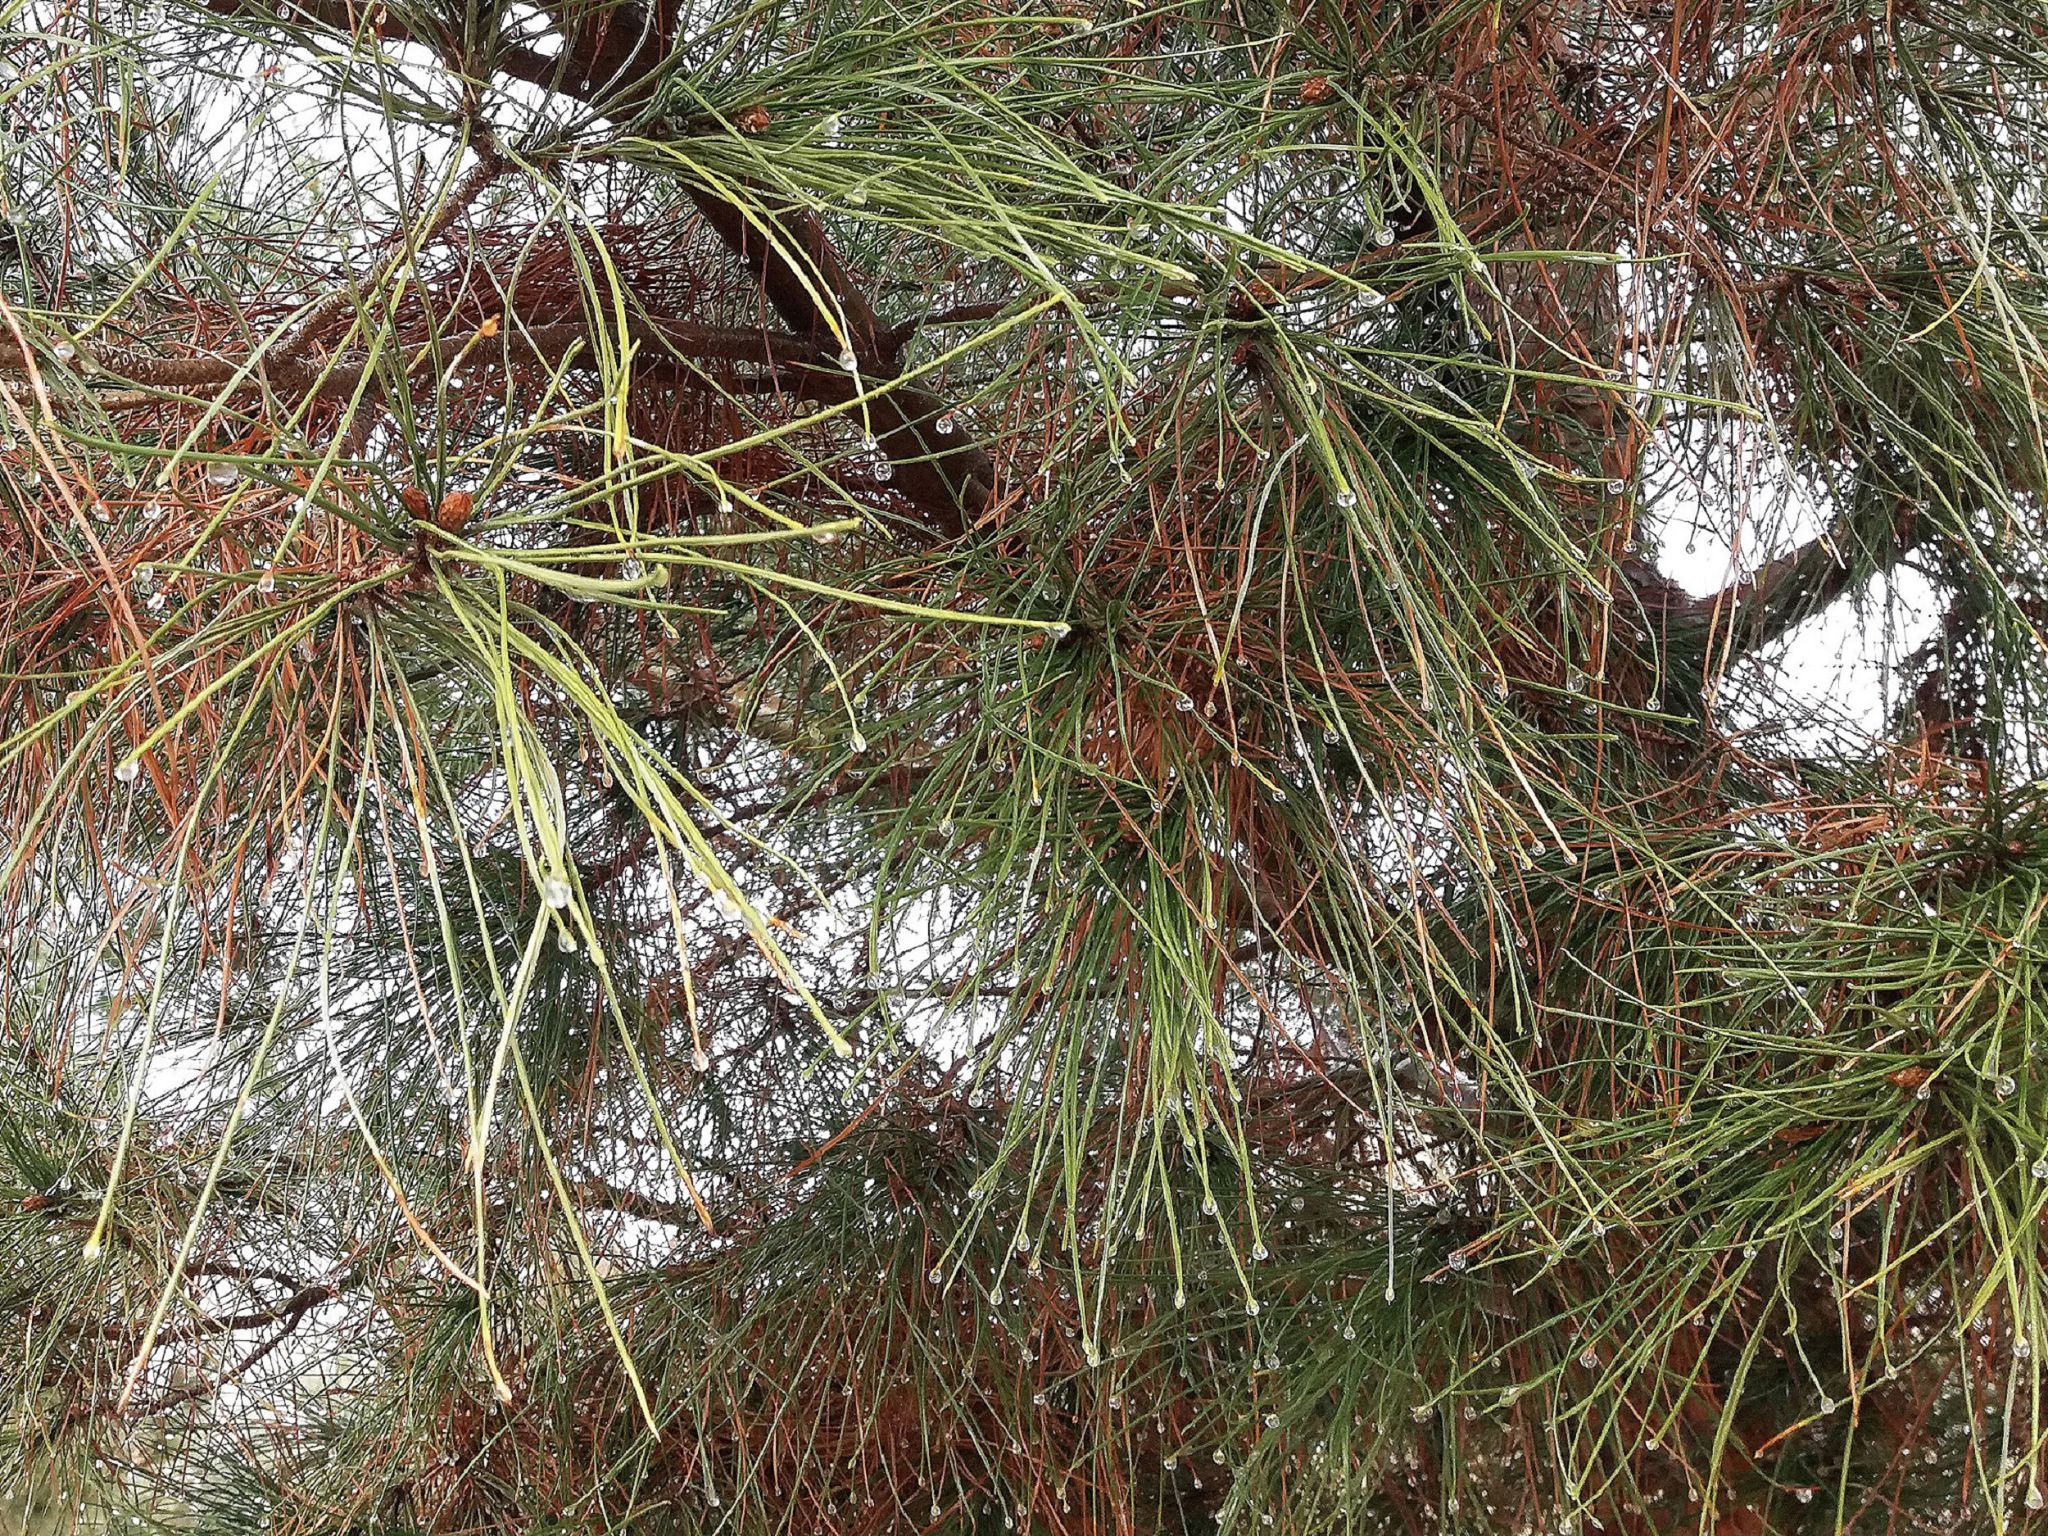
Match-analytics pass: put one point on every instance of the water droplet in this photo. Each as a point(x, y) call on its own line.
point(943, 426)
point(701, 1059)
point(1350, 1333)
point(1654, 703)
point(936, 1276)
point(267, 582)
point(1576, 680)
point(565, 941)
point(1260, 1251)
point(886, 470)
point(2007, 1087)
point(128, 770)
point(1383, 237)
point(1347, 498)
point(1420, 1413)
point(2040, 1168)
point(848, 361)
point(1272, 1421)
point(555, 892)
point(65, 352)
point(1589, 1358)
point(1185, 704)
point(856, 743)
point(1459, 1259)
point(223, 475)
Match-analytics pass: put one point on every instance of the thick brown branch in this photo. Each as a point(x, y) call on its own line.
point(803, 278)
point(1752, 613)
point(939, 470)
point(298, 371)
point(609, 61)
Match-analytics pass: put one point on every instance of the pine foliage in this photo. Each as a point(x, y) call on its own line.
point(830, 766)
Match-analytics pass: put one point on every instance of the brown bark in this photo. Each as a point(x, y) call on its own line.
point(610, 60)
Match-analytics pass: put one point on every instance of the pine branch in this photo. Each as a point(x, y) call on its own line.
point(298, 370)
point(611, 62)
point(1755, 611)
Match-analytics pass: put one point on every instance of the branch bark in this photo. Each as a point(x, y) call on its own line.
point(301, 371)
point(610, 62)
point(1747, 615)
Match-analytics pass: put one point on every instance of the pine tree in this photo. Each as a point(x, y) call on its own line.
point(846, 767)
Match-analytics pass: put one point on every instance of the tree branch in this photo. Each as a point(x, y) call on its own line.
point(610, 62)
point(1759, 609)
